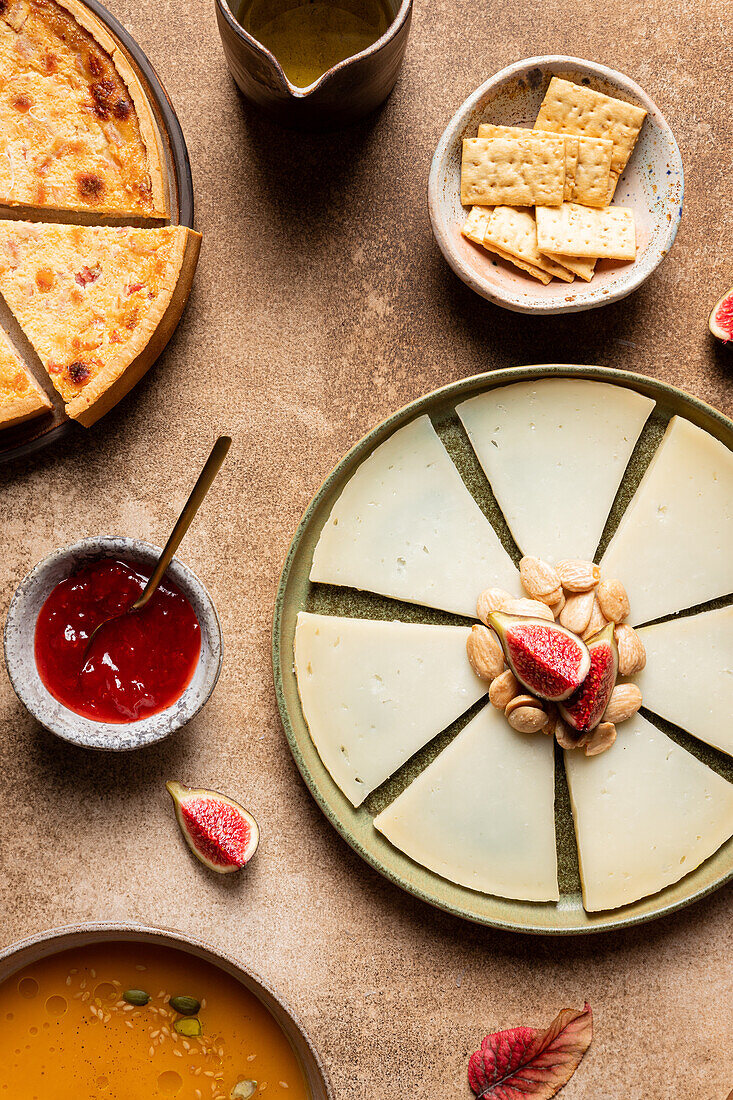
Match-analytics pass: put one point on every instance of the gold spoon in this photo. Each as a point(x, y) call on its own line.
point(190, 508)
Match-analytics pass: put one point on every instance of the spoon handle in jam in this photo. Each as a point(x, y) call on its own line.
point(190, 508)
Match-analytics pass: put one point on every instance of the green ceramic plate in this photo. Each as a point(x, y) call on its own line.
point(296, 593)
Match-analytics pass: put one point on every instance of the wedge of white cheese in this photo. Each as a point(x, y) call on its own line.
point(374, 692)
point(674, 545)
point(688, 677)
point(482, 814)
point(555, 452)
point(646, 813)
point(406, 526)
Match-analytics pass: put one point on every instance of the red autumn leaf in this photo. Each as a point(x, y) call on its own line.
point(526, 1061)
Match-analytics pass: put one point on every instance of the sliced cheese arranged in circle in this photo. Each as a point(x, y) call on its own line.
point(674, 545)
point(688, 677)
point(555, 452)
point(646, 813)
point(374, 692)
point(406, 526)
point(482, 814)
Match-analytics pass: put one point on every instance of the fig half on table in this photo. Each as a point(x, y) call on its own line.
point(220, 833)
point(720, 321)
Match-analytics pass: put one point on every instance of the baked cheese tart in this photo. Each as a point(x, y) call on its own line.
point(21, 398)
point(91, 300)
point(76, 130)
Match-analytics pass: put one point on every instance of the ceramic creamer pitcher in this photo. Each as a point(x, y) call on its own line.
point(344, 93)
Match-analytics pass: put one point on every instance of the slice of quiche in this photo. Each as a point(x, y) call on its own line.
point(76, 129)
point(98, 303)
point(21, 398)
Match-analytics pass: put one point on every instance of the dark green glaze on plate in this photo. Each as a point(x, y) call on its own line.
point(296, 593)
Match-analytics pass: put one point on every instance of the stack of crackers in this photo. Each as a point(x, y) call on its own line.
point(540, 198)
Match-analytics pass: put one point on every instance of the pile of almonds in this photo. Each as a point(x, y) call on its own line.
point(573, 594)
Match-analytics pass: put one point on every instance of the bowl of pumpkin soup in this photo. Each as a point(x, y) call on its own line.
point(106, 1012)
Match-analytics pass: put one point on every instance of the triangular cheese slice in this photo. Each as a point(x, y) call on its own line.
point(20, 395)
point(646, 813)
point(407, 527)
point(674, 545)
point(76, 129)
point(482, 814)
point(374, 692)
point(554, 452)
point(90, 299)
point(688, 677)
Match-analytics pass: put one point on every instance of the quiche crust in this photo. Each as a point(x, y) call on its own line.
point(76, 129)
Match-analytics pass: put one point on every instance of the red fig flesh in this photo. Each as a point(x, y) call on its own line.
point(550, 661)
point(721, 318)
point(584, 709)
point(220, 833)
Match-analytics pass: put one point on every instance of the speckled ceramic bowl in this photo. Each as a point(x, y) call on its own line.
point(652, 186)
point(20, 629)
point(32, 950)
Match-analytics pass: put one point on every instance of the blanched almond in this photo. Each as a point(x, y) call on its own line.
point(552, 598)
point(503, 689)
point(540, 580)
point(566, 737)
point(624, 702)
point(522, 701)
point(631, 652)
point(527, 719)
point(534, 608)
point(557, 607)
point(491, 599)
point(613, 600)
point(576, 613)
point(599, 739)
point(596, 622)
point(552, 720)
point(578, 576)
point(485, 654)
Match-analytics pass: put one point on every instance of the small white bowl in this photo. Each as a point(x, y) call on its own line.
point(20, 629)
point(652, 185)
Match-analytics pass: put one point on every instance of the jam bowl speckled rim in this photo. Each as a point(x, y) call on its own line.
point(20, 660)
point(44, 944)
point(652, 185)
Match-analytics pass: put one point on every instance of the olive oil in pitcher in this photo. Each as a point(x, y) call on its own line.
point(310, 38)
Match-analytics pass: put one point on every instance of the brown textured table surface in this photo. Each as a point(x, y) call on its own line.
point(321, 304)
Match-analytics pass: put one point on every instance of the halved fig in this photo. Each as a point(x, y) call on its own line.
point(721, 317)
point(220, 833)
point(584, 709)
point(549, 660)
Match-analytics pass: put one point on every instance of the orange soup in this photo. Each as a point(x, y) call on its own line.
point(78, 1025)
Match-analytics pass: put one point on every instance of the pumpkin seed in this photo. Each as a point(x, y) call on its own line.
point(243, 1090)
point(190, 1026)
point(136, 997)
point(185, 1006)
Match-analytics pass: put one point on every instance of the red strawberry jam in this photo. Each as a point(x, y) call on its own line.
point(137, 665)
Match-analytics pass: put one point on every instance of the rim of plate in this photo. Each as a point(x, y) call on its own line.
point(130, 931)
point(355, 825)
point(521, 303)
